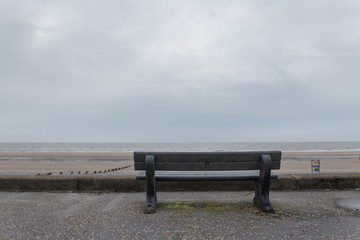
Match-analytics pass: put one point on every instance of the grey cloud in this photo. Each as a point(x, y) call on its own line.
point(185, 71)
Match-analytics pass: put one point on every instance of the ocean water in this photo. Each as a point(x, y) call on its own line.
point(131, 147)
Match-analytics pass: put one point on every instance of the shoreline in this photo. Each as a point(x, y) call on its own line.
point(130, 154)
point(68, 154)
point(33, 163)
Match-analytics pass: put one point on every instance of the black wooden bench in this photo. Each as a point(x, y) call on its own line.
point(205, 166)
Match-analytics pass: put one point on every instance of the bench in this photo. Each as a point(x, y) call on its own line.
point(208, 166)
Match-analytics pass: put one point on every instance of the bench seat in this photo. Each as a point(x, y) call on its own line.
point(250, 175)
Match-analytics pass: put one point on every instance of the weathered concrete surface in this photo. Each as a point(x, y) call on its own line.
point(38, 183)
point(120, 183)
point(181, 215)
point(109, 184)
point(327, 181)
point(71, 183)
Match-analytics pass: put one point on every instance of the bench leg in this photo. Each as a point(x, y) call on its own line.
point(150, 184)
point(262, 185)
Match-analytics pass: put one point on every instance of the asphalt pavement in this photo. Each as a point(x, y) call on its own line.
point(181, 215)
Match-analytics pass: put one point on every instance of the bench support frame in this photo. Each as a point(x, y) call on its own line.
point(262, 185)
point(151, 200)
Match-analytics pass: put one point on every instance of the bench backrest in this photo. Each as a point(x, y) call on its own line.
point(209, 161)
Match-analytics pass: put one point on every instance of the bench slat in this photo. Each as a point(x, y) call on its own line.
point(207, 156)
point(212, 161)
point(204, 175)
point(212, 166)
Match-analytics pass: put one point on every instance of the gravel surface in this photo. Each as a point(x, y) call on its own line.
point(181, 215)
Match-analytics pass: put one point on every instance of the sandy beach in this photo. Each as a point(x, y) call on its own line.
point(330, 162)
point(67, 163)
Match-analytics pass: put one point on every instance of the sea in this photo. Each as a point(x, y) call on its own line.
point(179, 147)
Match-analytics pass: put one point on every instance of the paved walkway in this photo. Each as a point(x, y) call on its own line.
point(182, 215)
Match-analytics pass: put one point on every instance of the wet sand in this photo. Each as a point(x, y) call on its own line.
point(81, 162)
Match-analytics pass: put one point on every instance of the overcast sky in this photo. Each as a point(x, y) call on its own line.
point(179, 71)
